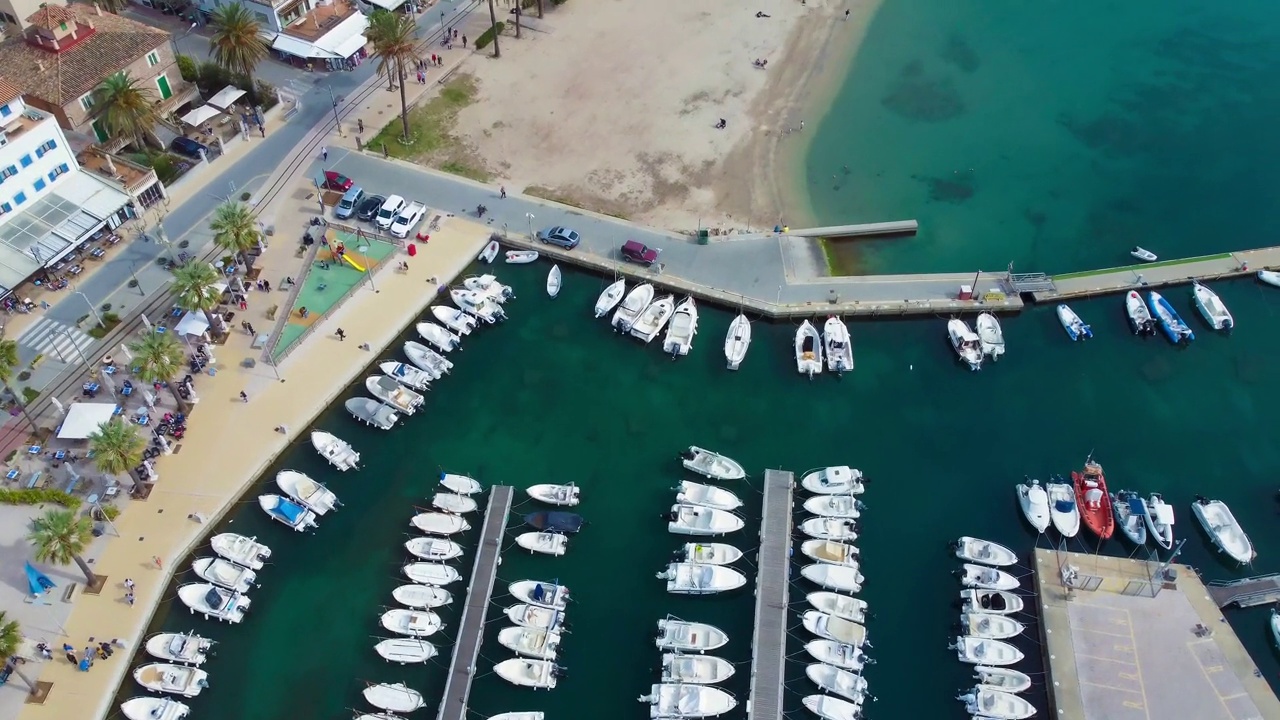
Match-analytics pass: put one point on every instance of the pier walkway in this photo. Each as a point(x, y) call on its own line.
point(1159, 274)
point(1246, 592)
point(769, 641)
point(466, 648)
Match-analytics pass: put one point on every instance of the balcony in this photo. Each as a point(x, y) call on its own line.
point(128, 176)
point(186, 93)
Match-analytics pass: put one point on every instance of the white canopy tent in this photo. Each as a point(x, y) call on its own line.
point(226, 96)
point(193, 323)
point(84, 419)
point(200, 115)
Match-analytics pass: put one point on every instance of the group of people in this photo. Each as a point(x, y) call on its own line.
point(98, 651)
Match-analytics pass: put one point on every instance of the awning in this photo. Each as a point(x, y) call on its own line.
point(84, 419)
point(193, 323)
point(351, 46)
point(226, 96)
point(387, 4)
point(200, 115)
point(92, 196)
point(339, 43)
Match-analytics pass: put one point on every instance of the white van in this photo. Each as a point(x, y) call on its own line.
point(390, 209)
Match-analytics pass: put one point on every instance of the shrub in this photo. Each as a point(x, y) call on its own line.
point(110, 512)
point(486, 37)
point(29, 395)
point(188, 67)
point(110, 318)
point(35, 496)
point(264, 95)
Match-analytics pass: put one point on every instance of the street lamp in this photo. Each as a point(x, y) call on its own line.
point(333, 99)
point(133, 270)
point(368, 267)
point(529, 216)
point(92, 309)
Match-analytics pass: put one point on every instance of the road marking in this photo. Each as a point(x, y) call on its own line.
point(1105, 659)
point(1133, 704)
point(1127, 636)
point(47, 336)
point(1126, 676)
point(1113, 687)
point(1137, 664)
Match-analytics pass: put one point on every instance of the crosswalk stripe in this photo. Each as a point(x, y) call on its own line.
point(47, 336)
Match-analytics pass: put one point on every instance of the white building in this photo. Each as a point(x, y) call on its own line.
point(49, 206)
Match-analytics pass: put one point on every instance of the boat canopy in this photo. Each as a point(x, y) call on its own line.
point(400, 370)
point(1137, 506)
point(1093, 496)
point(1164, 514)
point(290, 511)
point(1063, 505)
point(213, 599)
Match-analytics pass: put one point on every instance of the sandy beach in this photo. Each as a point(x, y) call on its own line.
point(622, 105)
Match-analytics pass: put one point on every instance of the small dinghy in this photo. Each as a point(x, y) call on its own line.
point(977, 651)
point(436, 574)
point(1072, 323)
point(836, 480)
point(711, 464)
point(306, 492)
point(395, 395)
point(1221, 525)
point(560, 495)
point(990, 601)
point(434, 523)
point(411, 623)
point(337, 451)
point(610, 297)
point(808, 350)
point(838, 606)
point(845, 578)
point(695, 669)
point(1139, 316)
point(1003, 679)
point(241, 550)
point(544, 594)
point(154, 708)
point(838, 346)
point(527, 642)
point(682, 636)
point(1269, 277)
point(406, 374)
point(677, 700)
point(965, 342)
point(287, 512)
point(454, 319)
point(184, 648)
point(214, 602)
point(490, 252)
point(489, 285)
point(684, 325)
point(835, 506)
point(1063, 511)
point(710, 496)
point(831, 552)
point(685, 519)
point(828, 707)
point(547, 543)
point(1092, 499)
point(454, 503)
point(1170, 322)
point(984, 551)
point(737, 341)
point(709, 553)
point(700, 579)
point(225, 573)
point(655, 317)
point(521, 257)
point(438, 337)
point(478, 305)
point(555, 521)
point(427, 360)
point(1159, 518)
point(988, 703)
point(460, 484)
point(837, 681)
point(1130, 510)
point(632, 305)
point(986, 578)
point(421, 597)
point(406, 650)
point(845, 657)
point(1034, 502)
point(433, 549)
point(991, 335)
point(536, 617)
point(991, 626)
point(372, 413)
point(173, 679)
point(1211, 307)
point(825, 528)
point(397, 698)
point(553, 281)
point(1143, 255)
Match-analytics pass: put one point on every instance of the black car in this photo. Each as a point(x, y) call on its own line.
point(187, 146)
point(370, 207)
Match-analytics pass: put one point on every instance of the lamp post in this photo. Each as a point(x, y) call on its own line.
point(529, 217)
point(334, 100)
point(92, 309)
point(133, 271)
point(368, 267)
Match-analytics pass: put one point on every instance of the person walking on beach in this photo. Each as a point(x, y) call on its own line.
point(324, 154)
point(502, 192)
point(128, 584)
point(128, 597)
point(243, 396)
point(341, 335)
point(360, 124)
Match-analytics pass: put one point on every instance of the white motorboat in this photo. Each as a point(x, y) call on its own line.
point(1159, 518)
point(683, 326)
point(825, 528)
point(561, 495)
point(632, 305)
point(425, 573)
point(306, 492)
point(1211, 307)
point(1063, 511)
point(427, 360)
point(490, 252)
point(707, 496)
point(397, 396)
point(526, 715)
point(835, 506)
point(839, 606)
point(489, 285)
point(997, 705)
point(845, 657)
point(422, 596)
point(547, 543)
point(737, 341)
point(1072, 323)
point(709, 553)
point(225, 573)
point(154, 708)
point(411, 623)
point(838, 345)
point(837, 681)
point(682, 636)
point(990, 601)
point(406, 374)
point(979, 651)
point(654, 318)
point(172, 679)
point(1003, 679)
point(985, 552)
point(679, 700)
point(478, 305)
point(397, 698)
point(521, 257)
point(454, 503)
point(372, 413)
point(434, 523)
point(460, 484)
point(287, 512)
point(992, 626)
point(185, 648)
point(986, 578)
point(1034, 502)
point(406, 650)
point(214, 602)
point(845, 578)
point(528, 642)
point(337, 451)
point(1269, 277)
point(700, 579)
point(240, 550)
point(965, 342)
point(545, 594)
point(457, 321)
point(1129, 510)
point(828, 707)
point(711, 464)
point(835, 480)
point(535, 617)
point(808, 350)
point(991, 334)
point(1139, 315)
point(610, 297)
point(831, 552)
point(553, 281)
point(437, 337)
point(1223, 528)
point(695, 669)
point(1275, 627)
point(685, 519)
point(433, 548)
point(1143, 255)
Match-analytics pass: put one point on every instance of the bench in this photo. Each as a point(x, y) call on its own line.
point(35, 478)
point(71, 486)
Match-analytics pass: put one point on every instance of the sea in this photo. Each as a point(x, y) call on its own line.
point(1051, 135)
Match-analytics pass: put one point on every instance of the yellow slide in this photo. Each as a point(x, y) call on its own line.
point(352, 263)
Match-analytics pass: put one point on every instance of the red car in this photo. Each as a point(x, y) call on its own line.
point(336, 181)
point(637, 252)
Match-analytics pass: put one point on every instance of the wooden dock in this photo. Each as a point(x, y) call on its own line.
point(773, 581)
point(466, 648)
point(1246, 592)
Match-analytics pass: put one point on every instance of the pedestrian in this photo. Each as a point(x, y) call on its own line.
point(128, 584)
point(262, 130)
point(267, 284)
point(156, 558)
point(360, 124)
point(846, 14)
point(71, 654)
point(455, 33)
point(128, 597)
point(324, 154)
point(464, 42)
point(244, 304)
point(244, 397)
point(433, 58)
point(502, 192)
point(440, 60)
point(342, 336)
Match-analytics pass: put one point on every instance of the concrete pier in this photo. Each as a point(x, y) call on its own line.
point(769, 640)
point(880, 229)
point(1144, 276)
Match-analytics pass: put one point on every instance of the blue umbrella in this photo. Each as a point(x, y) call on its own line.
point(38, 581)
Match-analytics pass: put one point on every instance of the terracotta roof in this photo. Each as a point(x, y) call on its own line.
point(61, 78)
point(8, 92)
point(52, 16)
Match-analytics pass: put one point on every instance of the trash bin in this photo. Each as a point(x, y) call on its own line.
point(704, 236)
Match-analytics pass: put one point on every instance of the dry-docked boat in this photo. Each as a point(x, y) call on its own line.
point(536, 674)
point(530, 642)
point(710, 496)
point(711, 464)
point(979, 651)
point(695, 669)
point(825, 528)
point(434, 523)
point(831, 552)
point(427, 360)
point(185, 648)
point(214, 602)
point(454, 503)
point(698, 579)
point(678, 700)
point(225, 573)
point(407, 375)
point(425, 573)
point(546, 543)
point(433, 549)
point(412, 623)
point(685, 519)
point(337, 451)
point(397, 698)
point(836, 480)
point(543, 594)
point(421, 596)
point(173, 679)
point(406, 650)
point(682, 636)
point(240, 550)
point(307, 492)
point(837, 605)
point(709, 553)
point(828, 627)
point(990, 601)
point(559, 495)
point(154, 708)
point(536, 617)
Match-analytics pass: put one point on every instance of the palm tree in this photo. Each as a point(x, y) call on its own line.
point(9, 361)
point(194, 284)
point(381, 24)
point(61, 537)
point(117, 447)
point(235, 229)
point(237, 43)
point(493, 25)
point(539, 9)
point(10, 643)
point(125, 108)
point(394, 46)
point(159, 358)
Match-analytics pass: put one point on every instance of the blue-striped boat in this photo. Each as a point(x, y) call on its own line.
point(1174, 328)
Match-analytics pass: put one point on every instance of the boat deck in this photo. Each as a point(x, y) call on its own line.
point(769, 641)
point(1247, 592)
point(462, 667)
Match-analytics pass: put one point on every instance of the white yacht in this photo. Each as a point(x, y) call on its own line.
point(737, 341)
point(1211, 307)
point(610, 297)
point(530, 642)
point(966, 344)
point(438, 337)
point(406, 650)
point(240, 550)
point(536, 674)
point(682, 636)
point(711, 464)
point(838, 345)
point(185, 648)
point(337, 451)
point(434, 523)
point(991, 335)
point(425, 573)
point(433, 549)
point(707, 496)
point(225, 573)
point(214, 602)
point(685, 519)
point(543, 594)
point(454, 319)
point(546, 543)
point(396, 698)
point(695, 669)
point(399, 397)
point(154, 708)
point(683, 326)
point(411, 623)
point(808, 350)
point(172, 679)
point(307, 492)
point(410, 376)
point(680, 700)
point(551, 494)
point(709, 553)
point(421, 597)
point(701, 579)
point(835, 480)
point(654, 318)
point(632, 305)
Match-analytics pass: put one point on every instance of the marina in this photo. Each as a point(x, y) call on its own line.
point(1246, 592)
point(769, 639)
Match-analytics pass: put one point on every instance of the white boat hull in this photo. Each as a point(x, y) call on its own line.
point(836, 480)
point(433, 549)
point(1034, 502)
point(1063, 512)
point(558, 495)
point(224, 573)
point(1224, 530)
point(553, 281)
point(172, 679)
point(531, 643)
point(230, 606)
point(701, 579)
point(460, 484)
point(825, 528)
point(533, 592)
point(435, 523)
point(702, 521)
point(184, 648)
point(241, 550)
point(454, 503)
point(437, 336)
point(710, 553)
point(737, 341)
point(709, 496)
point(546, 543)
point(984, 552)
point(422, 597)
point(610, 297)
point(653, 319)
point(399, 698)
point(808, 350)
point(335, 450)
point(154, 708)
point(837, 345)
point(711, 464)
point(682, 636)
point(837, 681)
point(834, 506)
point(535, 617)
point(839, 606)
point(411, 623)
point(977, 651)
point(695, 669)
point(406, 651)
point(435, 574)
point(834, 577)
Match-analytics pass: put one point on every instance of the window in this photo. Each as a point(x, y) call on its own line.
point(5, 111)
point(153, 59)
point(45, 148)
point(19, 198)
point(26, 160)
point(60, 170)
point(39, 184)
point(6, 207)
point(86, 101)
point(8, 173)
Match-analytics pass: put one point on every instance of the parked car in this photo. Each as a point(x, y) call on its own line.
point(408, 219)
point(349, 202)
point(187, 146)
point(370, 207)
point(336, 181)
point(638, 252)
point(559, 235)
point(388, 212)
